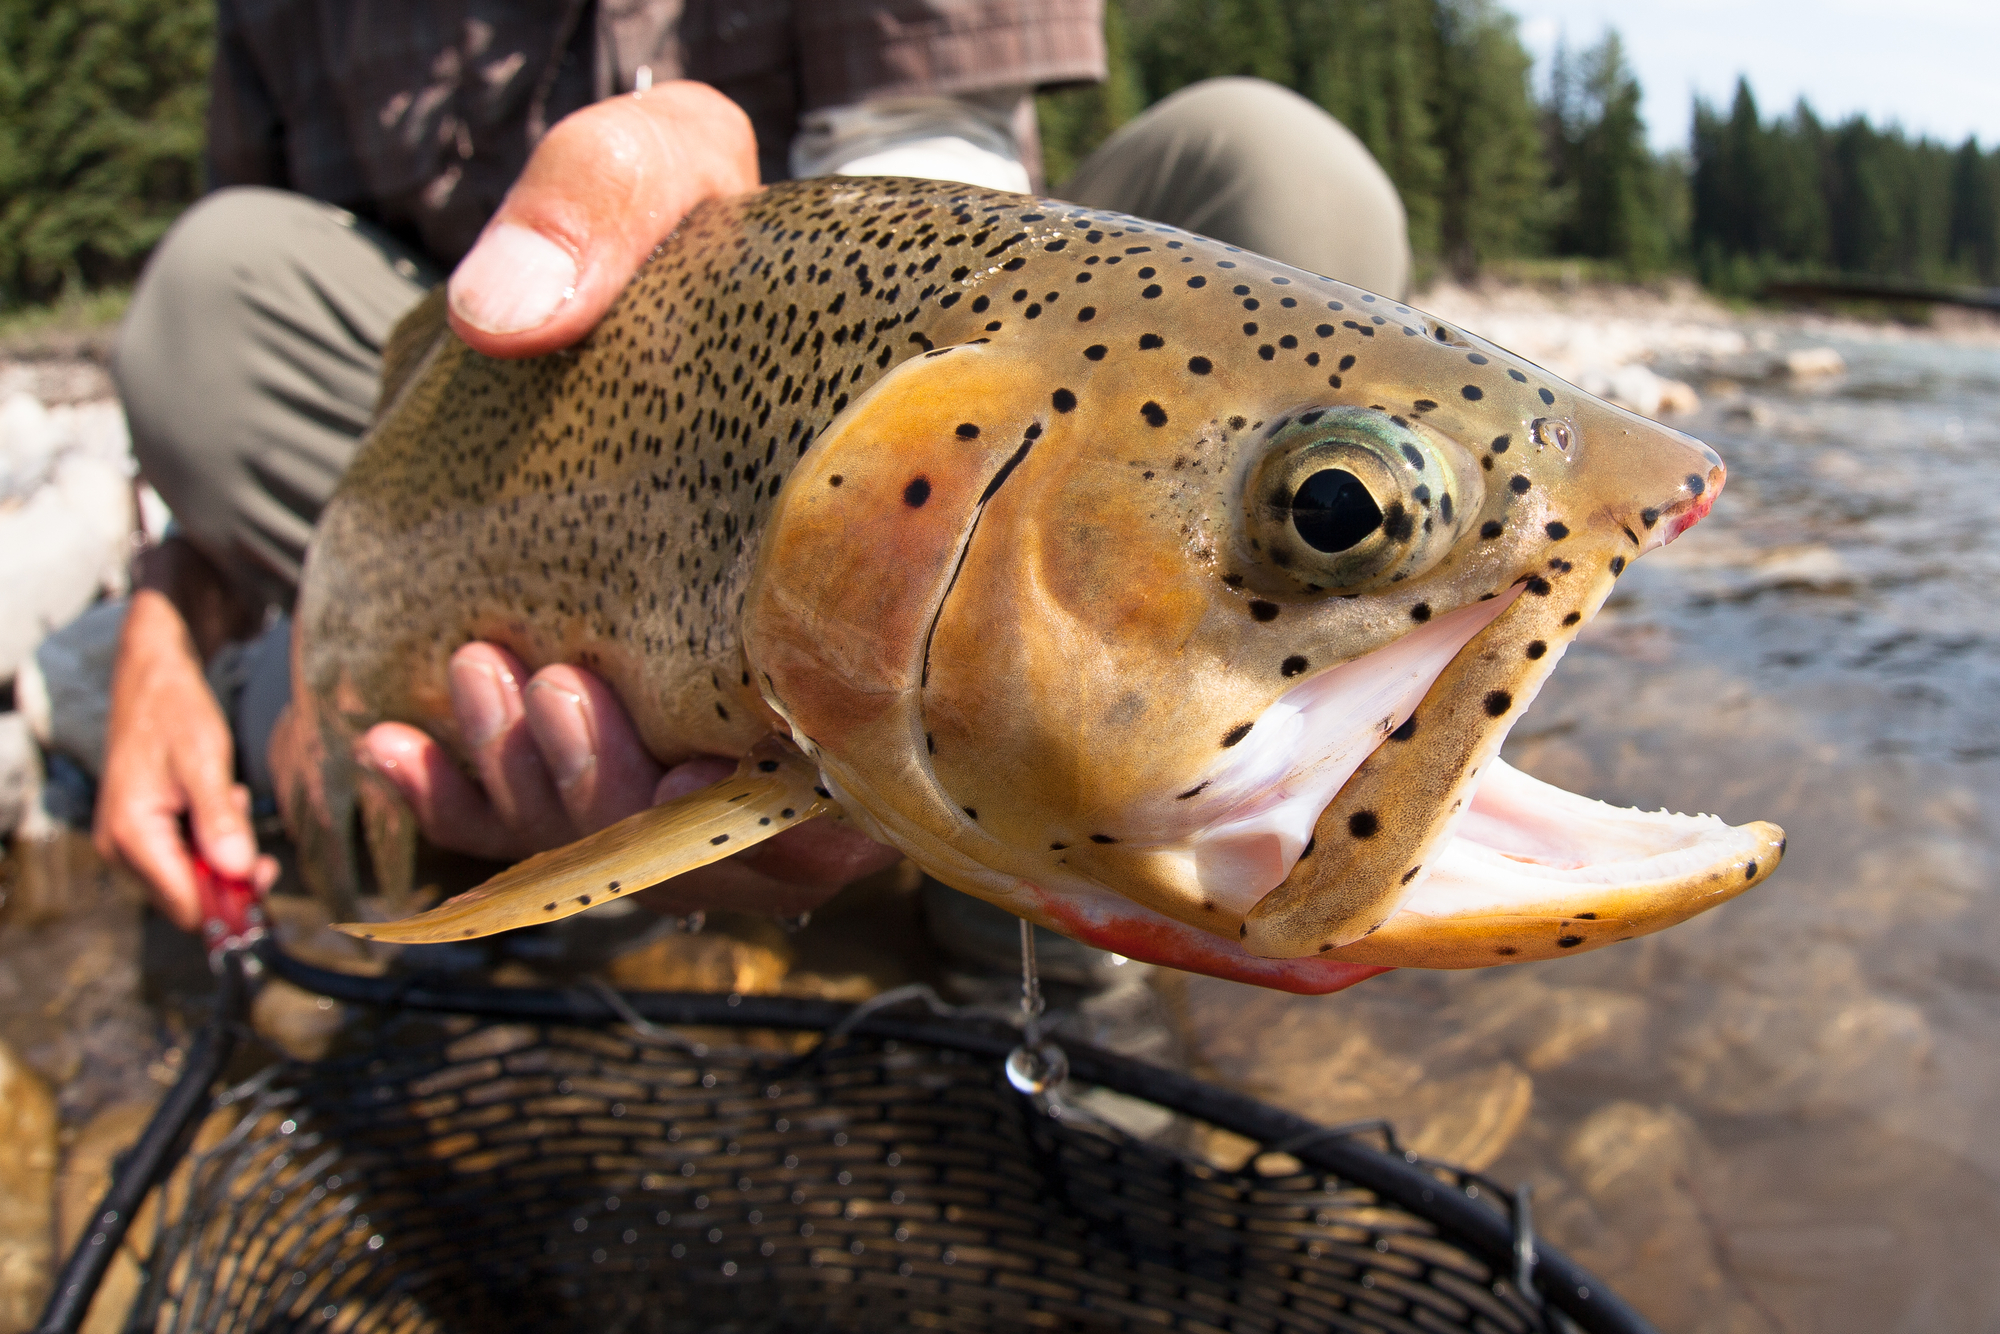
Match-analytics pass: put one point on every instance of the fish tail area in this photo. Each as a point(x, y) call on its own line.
point(773, 789)
point(320, 804)
point(388, 825)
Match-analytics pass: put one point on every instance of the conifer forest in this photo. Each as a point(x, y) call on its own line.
point(101, 105)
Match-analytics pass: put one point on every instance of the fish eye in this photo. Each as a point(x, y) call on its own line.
point(1332, 510)
point(1553, 432)
point(1350, 498)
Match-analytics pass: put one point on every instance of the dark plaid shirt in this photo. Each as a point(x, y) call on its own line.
point(419, 114)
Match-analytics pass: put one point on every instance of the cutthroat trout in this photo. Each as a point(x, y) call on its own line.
point(1155, 591)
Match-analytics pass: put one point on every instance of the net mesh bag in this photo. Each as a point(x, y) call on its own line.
point(499, 1174)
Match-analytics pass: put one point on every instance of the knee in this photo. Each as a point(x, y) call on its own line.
point(1293, 168)
point(237, 231)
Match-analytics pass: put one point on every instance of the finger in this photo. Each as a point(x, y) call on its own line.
point(604, 187)
point(148, 840)
point(218, 807)
point(451, 810)
point(593, 752)
point(486, 698)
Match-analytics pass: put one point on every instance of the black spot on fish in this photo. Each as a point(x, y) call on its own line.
point(1406, 731)
point(1491, 529)
point(1573, 618)
point(1568, 942)
point(1617, 565)
point(1498, 702)
point(718, 840)
point(917, 492)
point(1536, 648)
point(970, 813)
point(1411, 874)
point(1264, 611)
point(1548, 399)
point(1200, 365)
point(1425, 405)
point(1063, 400)
point(1518, 484)
point(1347, 362)
point(1194, 791)
point(1415, 456)
point(1501, 442)
point(1505, 950)
point(1147, 342)
point(1096, 351)
point(967, 431)
point(1102, 838)
point(1421, 612)
point(1472, 392)
point(1557, 530)
point(1236, 734)
point(1086, 315)
point(1154, 414)
point(1363, 824)
point(1750, 871)
point(1197, 281)
point(835, 480)
point(1292, 666)
point(1537, 585)
point(1057, 847)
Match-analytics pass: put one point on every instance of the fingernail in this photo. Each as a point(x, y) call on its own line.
point(513, 279)
point(233, 854)
point(477, 699)
point(556, 715)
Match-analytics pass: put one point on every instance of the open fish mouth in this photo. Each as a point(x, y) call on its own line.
point(1493, 866)
point(1532, 871)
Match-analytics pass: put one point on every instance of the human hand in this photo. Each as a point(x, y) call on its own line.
point(604, 187)
point(167, 756)
point(557, 757)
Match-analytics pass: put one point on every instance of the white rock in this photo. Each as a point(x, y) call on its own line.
point(30, 439)
point(60, 547)
point(1812, 363)
point(20, 772)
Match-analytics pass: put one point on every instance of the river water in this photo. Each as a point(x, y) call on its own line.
point(1782, 1116)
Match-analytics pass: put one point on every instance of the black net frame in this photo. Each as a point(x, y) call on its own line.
point(502, 1158)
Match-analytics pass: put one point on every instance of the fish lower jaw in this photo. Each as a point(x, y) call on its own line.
point(1535, 872)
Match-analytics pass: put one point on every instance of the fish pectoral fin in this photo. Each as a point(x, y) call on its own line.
point(773, 789)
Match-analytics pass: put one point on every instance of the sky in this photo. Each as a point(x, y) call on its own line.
point(1931, 65)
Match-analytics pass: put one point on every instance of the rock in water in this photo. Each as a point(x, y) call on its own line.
point(27, 1192)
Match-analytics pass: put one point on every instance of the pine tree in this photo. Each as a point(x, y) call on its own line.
point(101, 108)
point(1606, 186)
point(1372, 65)
point(1974, 244)
point(1493, 201)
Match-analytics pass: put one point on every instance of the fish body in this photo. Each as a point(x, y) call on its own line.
point(1159, 592)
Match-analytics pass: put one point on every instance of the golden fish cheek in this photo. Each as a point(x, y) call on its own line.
point(1055, 667)
point(1351, 500)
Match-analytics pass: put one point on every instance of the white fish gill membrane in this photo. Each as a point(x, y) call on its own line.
point(1253, 818)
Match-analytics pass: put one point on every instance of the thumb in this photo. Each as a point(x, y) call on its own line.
point(604, 187)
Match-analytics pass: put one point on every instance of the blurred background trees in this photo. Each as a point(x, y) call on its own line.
point(101, 106)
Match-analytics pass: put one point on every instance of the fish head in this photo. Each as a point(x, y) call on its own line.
point(1191, 624)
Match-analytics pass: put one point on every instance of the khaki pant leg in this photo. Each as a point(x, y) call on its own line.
point(248, 365)
point(1257, 166)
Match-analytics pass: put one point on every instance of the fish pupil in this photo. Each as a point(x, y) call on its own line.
point(1332, 510)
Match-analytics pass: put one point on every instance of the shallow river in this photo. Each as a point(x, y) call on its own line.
point(1784, 1115)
